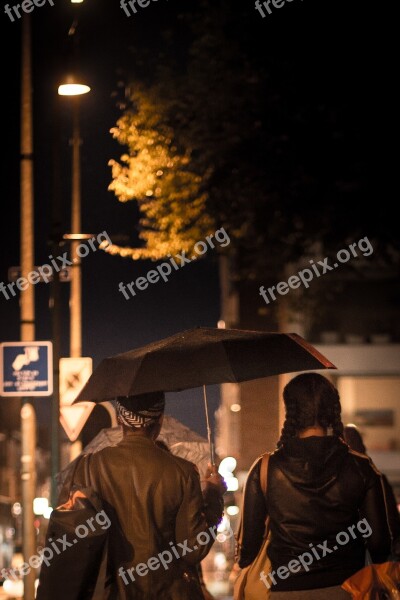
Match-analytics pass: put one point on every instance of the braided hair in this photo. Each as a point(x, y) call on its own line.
point(310, 399)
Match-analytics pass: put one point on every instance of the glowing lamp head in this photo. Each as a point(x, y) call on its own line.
point(72, 88)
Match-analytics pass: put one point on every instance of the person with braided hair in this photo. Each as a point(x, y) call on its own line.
point(324, 502)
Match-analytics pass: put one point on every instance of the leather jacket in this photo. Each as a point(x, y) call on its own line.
point(322, 499)
point(154, 501)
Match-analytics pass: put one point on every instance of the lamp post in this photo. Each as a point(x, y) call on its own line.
point(27, 304)
point(75, 89)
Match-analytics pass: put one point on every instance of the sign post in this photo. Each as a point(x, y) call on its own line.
point(26, 369)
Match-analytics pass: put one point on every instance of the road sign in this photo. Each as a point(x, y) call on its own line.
point(74, 372)
point(26, 369)
point(73, 418)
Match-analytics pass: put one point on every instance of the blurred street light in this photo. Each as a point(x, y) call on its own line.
point(40, 505)
point(225, 469)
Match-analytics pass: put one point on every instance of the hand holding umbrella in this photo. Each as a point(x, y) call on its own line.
point(214, 479)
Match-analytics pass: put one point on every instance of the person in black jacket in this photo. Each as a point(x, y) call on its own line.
point(161, 517)
point(324, 502)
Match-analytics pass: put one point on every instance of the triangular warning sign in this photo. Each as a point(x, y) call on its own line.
point(73, 418)
point(74, 373)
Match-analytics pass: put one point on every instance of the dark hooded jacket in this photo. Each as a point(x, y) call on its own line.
point(322, 499)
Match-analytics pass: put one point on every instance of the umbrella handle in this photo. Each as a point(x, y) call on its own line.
point(212, 454)
point(212, 450)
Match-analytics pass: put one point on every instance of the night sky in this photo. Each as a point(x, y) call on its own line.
point(334, 40)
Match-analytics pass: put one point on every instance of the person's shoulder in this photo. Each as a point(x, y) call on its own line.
point(256, 466)
point(178, 463)
point(364, 463)
point(186, 466)
point(359, 457)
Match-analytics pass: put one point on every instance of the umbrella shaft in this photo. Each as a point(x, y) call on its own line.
point(212, 454)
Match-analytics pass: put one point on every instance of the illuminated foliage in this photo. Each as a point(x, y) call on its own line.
point(156, 173)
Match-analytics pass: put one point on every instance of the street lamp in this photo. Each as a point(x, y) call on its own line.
point(75, 89)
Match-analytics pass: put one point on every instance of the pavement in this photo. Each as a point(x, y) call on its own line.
point(217, 590)
point(4, 596)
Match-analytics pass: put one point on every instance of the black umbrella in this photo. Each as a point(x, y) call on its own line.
point(199, 357)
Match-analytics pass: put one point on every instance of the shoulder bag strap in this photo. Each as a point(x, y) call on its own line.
point(264, 473)
point(88, 481)
point(65, 490)
point(99, 591)
point(264, 484)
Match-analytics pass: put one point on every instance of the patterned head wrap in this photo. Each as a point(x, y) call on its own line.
point(139, 411)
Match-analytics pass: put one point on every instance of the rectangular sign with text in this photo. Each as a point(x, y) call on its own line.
point(26, 369)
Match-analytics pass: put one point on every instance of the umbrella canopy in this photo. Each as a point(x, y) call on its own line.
point(201, 356)
point(180, 439)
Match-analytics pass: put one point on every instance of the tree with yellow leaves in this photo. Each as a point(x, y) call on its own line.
point(157, 174)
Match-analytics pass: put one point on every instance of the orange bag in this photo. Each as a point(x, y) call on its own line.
point(375, 582)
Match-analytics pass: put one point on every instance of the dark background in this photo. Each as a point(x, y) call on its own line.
point(335, 46)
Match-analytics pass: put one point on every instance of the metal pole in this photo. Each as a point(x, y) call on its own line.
point(55, 405)
point(28, 476)
point(76, 270)
point(27, 304)
point(212, 452)
point(76, 275)
point(55, 306)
